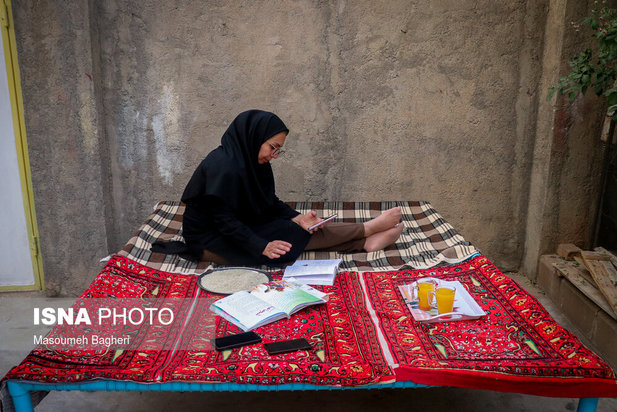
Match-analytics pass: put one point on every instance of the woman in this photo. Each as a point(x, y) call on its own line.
point(233, 215)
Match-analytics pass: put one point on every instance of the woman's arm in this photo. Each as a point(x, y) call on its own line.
point(240, 234)
point(307, 220)
point(283, 210)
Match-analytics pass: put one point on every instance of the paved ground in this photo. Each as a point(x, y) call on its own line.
point(17, 328)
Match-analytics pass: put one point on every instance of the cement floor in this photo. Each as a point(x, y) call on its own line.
point(16, 321)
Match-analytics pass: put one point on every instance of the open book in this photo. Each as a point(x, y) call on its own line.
point(313, 272)
point(266, 303)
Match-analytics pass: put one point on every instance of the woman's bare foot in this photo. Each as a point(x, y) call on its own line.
point(383, 239)
point(387, 220)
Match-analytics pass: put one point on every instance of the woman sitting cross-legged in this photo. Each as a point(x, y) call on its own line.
point(233, 215)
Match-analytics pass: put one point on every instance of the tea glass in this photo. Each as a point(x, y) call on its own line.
point(444, 297)
point(422, 289)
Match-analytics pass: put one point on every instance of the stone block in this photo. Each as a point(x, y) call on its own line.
point(594, 327)
point(568, 250)
point(548, 277)
point(579, 309)
point(605, 338)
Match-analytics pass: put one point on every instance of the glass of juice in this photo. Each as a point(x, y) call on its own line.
point(444, 295)
point(423, 287)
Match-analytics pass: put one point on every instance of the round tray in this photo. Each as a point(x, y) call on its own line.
point(225, 281)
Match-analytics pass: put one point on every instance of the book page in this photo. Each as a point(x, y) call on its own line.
point(312, 267)
point(246, 308)
point(311, 280)
point(284, 296)
point(318, 294)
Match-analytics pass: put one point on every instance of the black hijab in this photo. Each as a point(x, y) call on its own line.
point(232, 173)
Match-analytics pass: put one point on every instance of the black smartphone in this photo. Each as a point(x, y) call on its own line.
point(285, 346)
point(235, 341)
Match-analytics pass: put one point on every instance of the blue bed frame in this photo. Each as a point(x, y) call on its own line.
point(20, 391)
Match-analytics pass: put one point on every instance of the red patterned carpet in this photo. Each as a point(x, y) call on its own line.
point(363, 335)
point(345, 352)
point(516, 347)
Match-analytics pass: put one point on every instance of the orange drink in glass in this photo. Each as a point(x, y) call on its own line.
point(444, 295)
point(424, 287)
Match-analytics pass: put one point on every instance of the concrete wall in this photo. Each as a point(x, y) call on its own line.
point(436, 101)
point(64, 143)
point(567, 156)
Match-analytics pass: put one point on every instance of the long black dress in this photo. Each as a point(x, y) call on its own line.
point(231, 205)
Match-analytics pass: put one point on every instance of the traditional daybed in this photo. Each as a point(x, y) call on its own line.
point(364, 337)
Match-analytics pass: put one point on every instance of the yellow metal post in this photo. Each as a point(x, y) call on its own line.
point(17, 108)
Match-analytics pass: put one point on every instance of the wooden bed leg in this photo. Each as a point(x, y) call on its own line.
point(21, 397)
point(587, 404)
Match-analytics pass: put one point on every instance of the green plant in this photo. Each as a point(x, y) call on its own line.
point(599, 74)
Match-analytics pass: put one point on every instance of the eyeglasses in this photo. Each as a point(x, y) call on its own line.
point(276, 151)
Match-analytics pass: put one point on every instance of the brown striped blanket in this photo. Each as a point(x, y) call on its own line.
point(428, 240)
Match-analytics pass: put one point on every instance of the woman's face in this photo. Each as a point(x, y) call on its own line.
point(271, 147)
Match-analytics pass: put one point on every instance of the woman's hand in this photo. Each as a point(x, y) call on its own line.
point(308, 220)
point(276, 249)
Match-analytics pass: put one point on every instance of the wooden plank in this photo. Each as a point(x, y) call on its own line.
point(587, 287)
point(612, 272)
point(568, 250)
point(584, 271)
point(613, 257)
point(606, 281)
point(605, 251)
point(588, 255)
point(579, 260)
point(585, 274)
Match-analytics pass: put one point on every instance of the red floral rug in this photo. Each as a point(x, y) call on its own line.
point(516, 347)
point(345, 351)
point(363, 335)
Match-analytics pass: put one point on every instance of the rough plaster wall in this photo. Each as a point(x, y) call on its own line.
point(577, 150)
point(437, 112)
point(176, 75)
point(53, 40)
point(401, 100)
point(565, 173)
point(389, 100)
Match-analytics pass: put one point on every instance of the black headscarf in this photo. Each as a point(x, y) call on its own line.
point(232, 173)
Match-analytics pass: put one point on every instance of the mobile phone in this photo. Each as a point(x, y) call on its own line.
point(235, 341)
point(285, 346)
point(323, 222)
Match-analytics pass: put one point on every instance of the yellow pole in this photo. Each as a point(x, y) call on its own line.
point(17, 108)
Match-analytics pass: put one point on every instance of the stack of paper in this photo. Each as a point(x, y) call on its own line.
point(313, 272)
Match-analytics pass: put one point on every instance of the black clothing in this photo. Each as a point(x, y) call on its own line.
point(231, 205)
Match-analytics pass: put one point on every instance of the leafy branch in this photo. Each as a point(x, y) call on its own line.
point(599, 74)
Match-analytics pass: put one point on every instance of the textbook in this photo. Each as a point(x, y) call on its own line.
point(313, 272)
point(266, 303)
